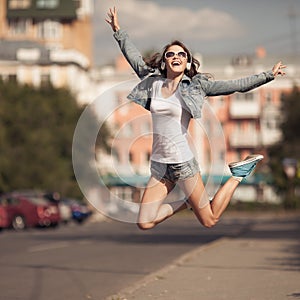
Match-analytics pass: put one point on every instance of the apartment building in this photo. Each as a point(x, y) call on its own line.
point(251, 120)
point(47, 41)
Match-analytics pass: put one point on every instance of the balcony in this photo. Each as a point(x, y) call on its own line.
point(270, 137)
point(244, 106)
point(244, 139)
point(69, 56)
point(28, 54)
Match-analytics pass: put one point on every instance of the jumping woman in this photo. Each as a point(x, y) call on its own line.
point(173, 91)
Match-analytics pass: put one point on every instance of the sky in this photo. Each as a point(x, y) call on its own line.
point(208, 27)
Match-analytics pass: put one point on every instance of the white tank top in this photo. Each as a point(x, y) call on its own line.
point(170, 121)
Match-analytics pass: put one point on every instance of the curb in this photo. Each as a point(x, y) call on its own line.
point(121, 295)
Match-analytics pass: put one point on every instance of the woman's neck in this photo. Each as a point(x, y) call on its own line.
point(173, 79)
point(170, 86)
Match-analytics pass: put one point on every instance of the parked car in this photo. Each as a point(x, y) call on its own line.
point(20, 211)
point(70, 208)
point(65, 209)
point(80, 211)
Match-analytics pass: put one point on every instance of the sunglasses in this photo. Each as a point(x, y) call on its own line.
point(180, 54)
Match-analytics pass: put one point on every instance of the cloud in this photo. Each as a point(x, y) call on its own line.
point(151, 26)
point(144, 19)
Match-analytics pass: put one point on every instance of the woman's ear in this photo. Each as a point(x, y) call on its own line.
point(188, 66)
point(162, 65)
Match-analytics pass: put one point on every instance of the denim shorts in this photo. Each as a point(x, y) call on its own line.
point(174, 172)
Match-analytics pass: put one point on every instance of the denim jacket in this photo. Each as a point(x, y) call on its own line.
point(192, 90)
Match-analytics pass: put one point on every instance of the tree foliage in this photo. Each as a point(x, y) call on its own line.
point(36, 132)
point(289, 146)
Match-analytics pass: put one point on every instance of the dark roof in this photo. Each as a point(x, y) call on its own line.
point(66, 9)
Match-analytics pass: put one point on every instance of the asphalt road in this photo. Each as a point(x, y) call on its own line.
point(95, 260)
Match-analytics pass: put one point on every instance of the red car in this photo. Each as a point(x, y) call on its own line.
point(21, 211)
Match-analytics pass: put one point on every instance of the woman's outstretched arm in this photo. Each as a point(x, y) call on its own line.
point(226, 87)
point(131, 53)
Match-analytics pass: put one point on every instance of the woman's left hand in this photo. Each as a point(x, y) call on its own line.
point(278, 69)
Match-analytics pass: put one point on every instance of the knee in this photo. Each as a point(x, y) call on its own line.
point(146, 219)
point(209, 222)
point(145, 226)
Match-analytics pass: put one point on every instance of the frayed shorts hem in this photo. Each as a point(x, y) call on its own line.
point(174, 171)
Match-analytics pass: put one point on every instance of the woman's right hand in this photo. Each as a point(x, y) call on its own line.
point(112, 19)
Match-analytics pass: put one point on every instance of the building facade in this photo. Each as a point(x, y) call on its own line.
point(47, 41)
point(50, 41)
point(231, 126)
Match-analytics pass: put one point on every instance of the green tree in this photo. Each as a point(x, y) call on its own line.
point(288, 147)
point(36, 133)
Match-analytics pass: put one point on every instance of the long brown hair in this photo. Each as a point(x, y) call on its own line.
point(156, 59)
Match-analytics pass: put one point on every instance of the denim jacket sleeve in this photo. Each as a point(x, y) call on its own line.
point(217, 88)
point(132, 54)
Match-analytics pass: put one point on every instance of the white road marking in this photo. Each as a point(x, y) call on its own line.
point(49, 246)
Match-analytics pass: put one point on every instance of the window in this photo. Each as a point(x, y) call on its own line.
point(239, 126)
point(127, 131)
point(221, 101)
point(131, 157)
point(127, 194)
point(49, 30)
point(77, 3)
point(120, 193)
point(145, 127)
point(221, 155)
point(273, 124)
point(244, 96)
point(268, 97)
point(282, 97)
point(115, 154)
point(18, 26)
point(208, 127)
point(12, 78)
point(249, 96)
point(19, 4)
point(251, 126)
point(84, 7)
point(47, 4)
point(45, 80)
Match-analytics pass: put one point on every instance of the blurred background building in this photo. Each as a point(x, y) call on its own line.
point(50, 42)
point(47, 41)
point(250, 122)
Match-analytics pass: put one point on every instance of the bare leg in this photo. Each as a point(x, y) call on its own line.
point(223, 197)
point(208, 213)
point(152, 211)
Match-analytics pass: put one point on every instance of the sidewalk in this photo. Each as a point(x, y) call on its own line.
point(261, 264)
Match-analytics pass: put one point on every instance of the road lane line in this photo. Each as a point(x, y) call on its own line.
point(49, 246)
